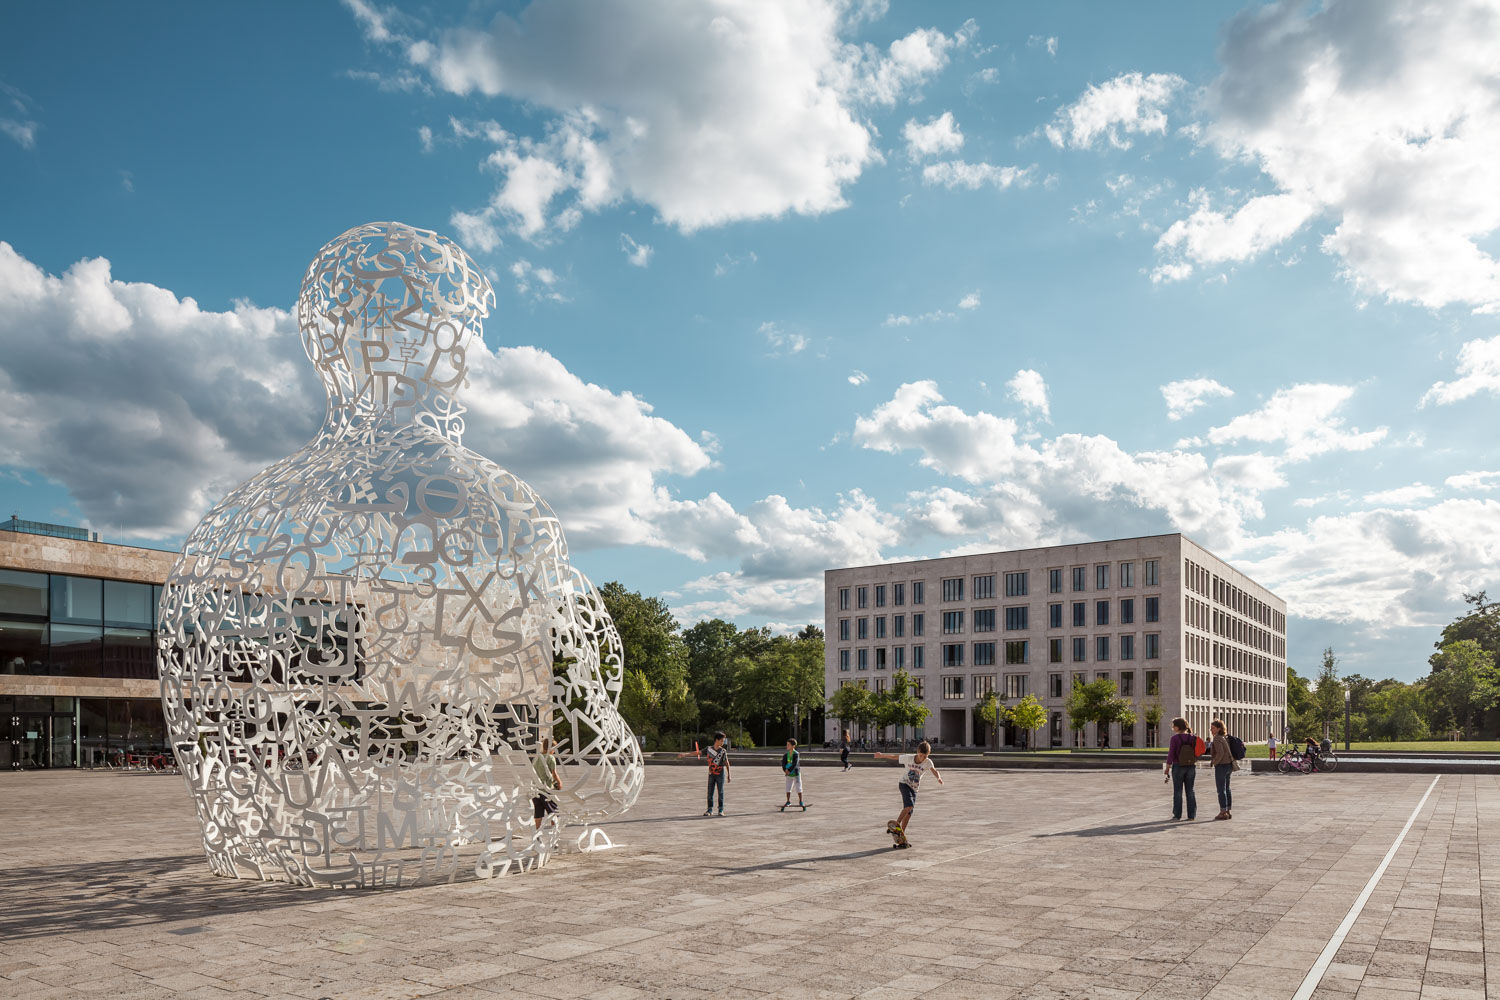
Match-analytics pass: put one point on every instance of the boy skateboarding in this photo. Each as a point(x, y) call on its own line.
point(915, 765)
point(791, 766)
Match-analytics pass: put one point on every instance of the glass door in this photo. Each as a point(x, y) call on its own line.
point(63, 746)
point(10, 741)
point(39, 741)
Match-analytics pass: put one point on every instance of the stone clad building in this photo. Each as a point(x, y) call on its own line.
point(1165, 619)
point(78, 680)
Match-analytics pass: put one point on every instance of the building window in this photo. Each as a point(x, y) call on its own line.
point(1101, 648)
point(1080, 578)
point(918, 657)
point(1016, 618)
point(898, 657)
point(1101, 612)
point(953, 688)
point(843, 630)
point(1153, 645)
point(1127, 574)
point(898, 626)
point(1017, 652)
point(984, 654)
point(1015, 585)
point(918, 624)
point(862, 659)
point(984, 620)
point(984, 587)
point(1101, 576)
point(1054, 616)
point(918, 592)
point(1057, 729)
point(1153, 578)
point(953, 622)
point(1127, 647)
point(880, 626)
point(1153, 682)
point(953, 654)
point(898, 594)
point(984, 686)
point(1153, 609)
point(1080, 649)
point(953, 589)
point(862, 628)
point(1054, 686)
point(1054, 581)
point(1054, 651)
point(1080, 614)
point(1102, 675)
point(880, 685)
point(843, 598)
point(880, 595)
point(1127, 611)
point(1127, 683)
point(919, 688)
point(862, 597)
point(1015, 686)
point(843, 659)
point(880, 658)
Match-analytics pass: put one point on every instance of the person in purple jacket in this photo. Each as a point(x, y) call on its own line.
point(1182, 758)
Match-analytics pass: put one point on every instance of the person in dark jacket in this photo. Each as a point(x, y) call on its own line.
point(1182, 758)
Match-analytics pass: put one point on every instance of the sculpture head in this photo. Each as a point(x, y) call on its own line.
point(388, 313)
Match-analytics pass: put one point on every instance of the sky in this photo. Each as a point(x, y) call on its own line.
point(787, 285)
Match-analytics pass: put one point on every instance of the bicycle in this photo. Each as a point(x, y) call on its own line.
point(1292, 761)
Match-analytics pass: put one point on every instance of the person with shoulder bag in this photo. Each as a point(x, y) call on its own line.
point(1224, 760)
point(1183, 751)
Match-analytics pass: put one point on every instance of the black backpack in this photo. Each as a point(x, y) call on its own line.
point(1236, 747)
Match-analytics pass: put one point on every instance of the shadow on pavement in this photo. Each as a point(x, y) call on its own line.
point(1116, 830)
point(797, 862)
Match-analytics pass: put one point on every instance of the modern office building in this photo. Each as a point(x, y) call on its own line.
point(78, 681)
point(1165, 619)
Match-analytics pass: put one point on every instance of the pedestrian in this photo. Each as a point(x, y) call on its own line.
point(1271, 745)
point(916, 765)
point(717, 757)
point(1183, 751)
point(1221, 756)
point(844, 750)
point(544, 805)
point(791, 766)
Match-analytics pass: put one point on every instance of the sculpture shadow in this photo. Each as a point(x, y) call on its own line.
point(797, 862)
point(1115, 830)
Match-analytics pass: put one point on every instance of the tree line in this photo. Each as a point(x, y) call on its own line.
point(1458, 695)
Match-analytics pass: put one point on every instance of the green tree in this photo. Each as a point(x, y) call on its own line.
point(993, 714)
point(901, 707)
point(850, 704)
point(1079, 706)
point(1328, 694)
point(1462, 683)
point(640, 704)
point(1299, 703)
point(1152, 714)
point(710, 649)
point(1395, 712)
point(1098, 702)
point(1029, 714)
point(1481, 625)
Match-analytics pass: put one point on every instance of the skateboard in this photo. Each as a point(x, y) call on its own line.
point(802, 804)
point(898, 836)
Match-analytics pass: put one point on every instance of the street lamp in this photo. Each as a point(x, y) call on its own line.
point(1346, 718)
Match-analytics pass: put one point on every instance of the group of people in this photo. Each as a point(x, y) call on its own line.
point(1181, 768)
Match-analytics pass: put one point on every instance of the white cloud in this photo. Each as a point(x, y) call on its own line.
point(1253, 471)
point(1132, 103)
point(536, 282)
point(940, 135)
point(638, 254)
point(372, 20)
point(1048, 42)
point(781, 340)
point(1473, 481)
point(858, 377)
point(23, 132)
point(18, 125)
point(959, 173)
point(1028, 388)
point(1401, 496)
point(902, 319)
point(742, 109)
point(1211, 237)
point(970, 301)
point(1186, 395)
point(476, 234)
point(147, 409)
point(1379, 117)
point(1478, 371)
point(1305, 418)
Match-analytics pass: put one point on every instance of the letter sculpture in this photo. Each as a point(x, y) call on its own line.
point(362, 647)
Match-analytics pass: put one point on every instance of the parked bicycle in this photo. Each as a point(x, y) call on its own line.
point(1294, 761)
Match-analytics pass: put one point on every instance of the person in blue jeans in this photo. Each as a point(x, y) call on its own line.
point(1221, 756)
point(717, 757)
point(1182, 758)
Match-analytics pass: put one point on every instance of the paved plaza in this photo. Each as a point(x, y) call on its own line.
point(1019, 884)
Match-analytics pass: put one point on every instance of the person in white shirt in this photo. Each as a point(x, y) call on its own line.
point(916, 765)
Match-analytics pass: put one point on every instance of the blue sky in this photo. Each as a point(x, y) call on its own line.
point(792, 285)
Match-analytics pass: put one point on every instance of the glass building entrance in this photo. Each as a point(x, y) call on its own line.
point(38, 740)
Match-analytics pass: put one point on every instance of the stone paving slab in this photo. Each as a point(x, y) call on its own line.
point(1019, 884)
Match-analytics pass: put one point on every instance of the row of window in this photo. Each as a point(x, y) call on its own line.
point(1201, 581)
point(1197, 649)
point(982, 587)
point(1204, 685)
point(1017, 619)
point(1017, 651)
point(978, 686)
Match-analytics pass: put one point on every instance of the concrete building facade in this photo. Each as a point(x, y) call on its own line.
point(1165, 619)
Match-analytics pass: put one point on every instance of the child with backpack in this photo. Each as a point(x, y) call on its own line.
point(791, 766)
point(1183, 751)
point(717, 757)
point(1224, 754)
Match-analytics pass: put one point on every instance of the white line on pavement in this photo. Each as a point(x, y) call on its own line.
point(1315, 974)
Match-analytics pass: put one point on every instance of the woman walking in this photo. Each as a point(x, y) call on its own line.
point(1221, 756)
point(844, 750)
